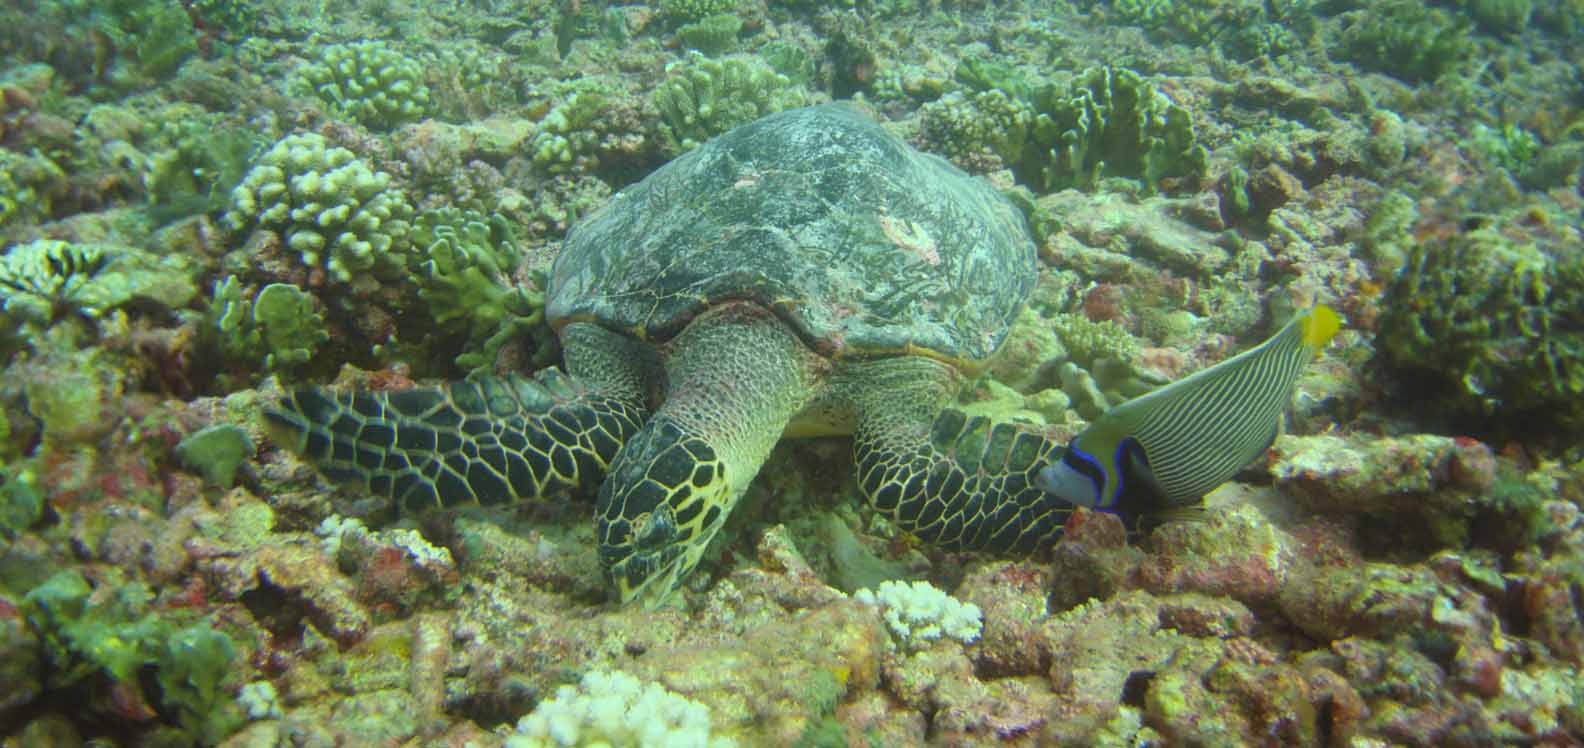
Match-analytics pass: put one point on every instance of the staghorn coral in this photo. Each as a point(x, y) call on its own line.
point(369, 82)
point(327, 204)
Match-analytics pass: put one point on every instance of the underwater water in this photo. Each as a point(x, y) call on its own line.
point(568, 373)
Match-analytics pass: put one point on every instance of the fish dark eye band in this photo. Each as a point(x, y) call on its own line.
point(1086, 465)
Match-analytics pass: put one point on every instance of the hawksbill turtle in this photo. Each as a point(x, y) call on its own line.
point(807, 273)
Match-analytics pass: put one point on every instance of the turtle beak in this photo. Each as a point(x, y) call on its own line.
point(653, 590)
point(647, 557)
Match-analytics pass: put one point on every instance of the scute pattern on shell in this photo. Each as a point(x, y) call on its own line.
point(864, 245)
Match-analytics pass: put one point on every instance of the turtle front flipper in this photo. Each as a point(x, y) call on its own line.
point(736, 376)
point(487, 441)
point(960, 482)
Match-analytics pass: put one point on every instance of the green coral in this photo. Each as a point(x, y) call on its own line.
point(31, 186)
point(327, 204)
point(1511, 147)
point(195, 161)
point(1491, 327)
point(971, 126)
point(158, 35)
point(369, 82)
point(1241, 28)
point(1109, 122)
point(1185, 20)
point(712, 35)
point(465, 278)
point(790, 60)
point(112, 631)
point(238, 18)
point(21, 496)
point(466, 80)
point(689, 11)
point(1508, 17)
point(705, 97)
point(279, 326)
point(983, 73)
point(564, 199)
point(216, 451)
point(567, 139)
point(1407, 39)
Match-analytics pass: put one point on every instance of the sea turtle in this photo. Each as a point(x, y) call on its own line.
point(807, 273)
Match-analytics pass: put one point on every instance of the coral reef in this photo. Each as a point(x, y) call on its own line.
point(1407, 39)
point(278, 327)
point(205, 202)
point(467, 268)
point(918, 613)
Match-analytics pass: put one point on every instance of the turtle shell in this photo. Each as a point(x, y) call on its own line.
point(865, 246)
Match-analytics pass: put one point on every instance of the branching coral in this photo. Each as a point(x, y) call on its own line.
point(615, 709)
point(369, 82)
point(567, 137)
point(918, 613)
point(465, 272)
point(328, 205)
point(1110, 122)
point(703, 98)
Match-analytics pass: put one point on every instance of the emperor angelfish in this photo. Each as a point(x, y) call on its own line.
point(1182, 440)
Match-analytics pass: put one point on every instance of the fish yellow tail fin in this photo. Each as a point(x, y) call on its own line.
point(1319, 327)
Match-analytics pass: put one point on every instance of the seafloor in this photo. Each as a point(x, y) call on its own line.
point(205, 201)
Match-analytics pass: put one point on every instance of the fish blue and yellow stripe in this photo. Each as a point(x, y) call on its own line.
point(1179, 442)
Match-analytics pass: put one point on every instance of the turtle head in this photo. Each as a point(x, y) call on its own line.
point(664, 499)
